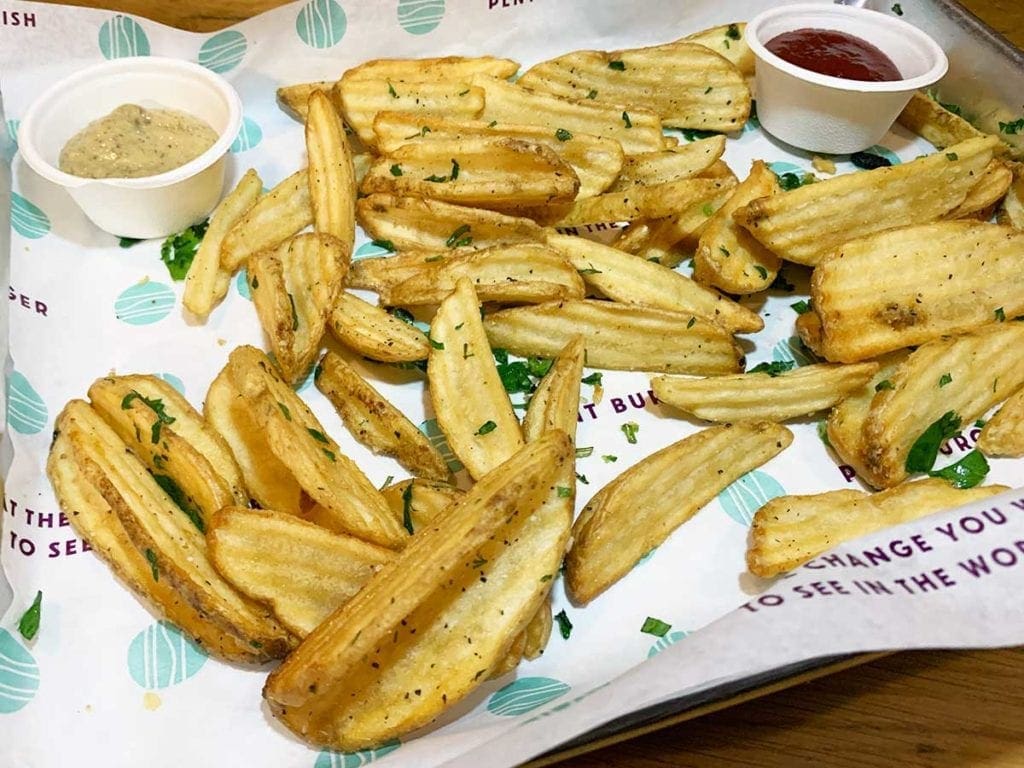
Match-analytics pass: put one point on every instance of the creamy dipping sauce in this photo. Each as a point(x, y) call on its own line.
point(132, 142)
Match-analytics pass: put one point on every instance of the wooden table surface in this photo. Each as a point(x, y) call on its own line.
point(937, 709)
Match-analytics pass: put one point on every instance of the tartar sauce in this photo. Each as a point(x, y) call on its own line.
point(132, 142)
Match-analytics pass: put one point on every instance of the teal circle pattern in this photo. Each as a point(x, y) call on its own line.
point(223, 52)
point(440, 443)
point(242, 285)
point(885, 152)
point(12, 131)
point(792, 350)
point(664, 642)
point(525, 695)
point(418, 17)
point(249, 136)
point(27, 218)
point(174, 381)
point(369, 251)
point(19, 674)
point(121, 36)
point(144, 303)
point(780, 167)
point(748, 494)
point(26, 411)
point(321, 24)
point(161, 656)
point(328, 759)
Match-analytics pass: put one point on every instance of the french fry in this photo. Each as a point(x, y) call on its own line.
point(538, 632)
point(300, 570)
point(332, 184)
point(641, 508)
point(417, 502)
point(186, 456)
point(596, 161)
point(965, 375)
point(511, 659)
point(478, 420)
point(515, 274)
point(294, 99)
point(169, 540)
point(437, 70)
point(808, 327)
point(990, 188)
point(729, 41)
point(761, 397)
point(375, 422)
point(629, 279)
point(928, 270)
point(92, 519)
point(267, 479)
point(279, 214)
point(618, 336)
point(706, 91)
point(637, 130)
point(806, 224)
point(683, 162)
point(348, 500)
point(412, 223)
point(1011, 210)
point(1003, 435)
point(293, 288)
point(936, 124)
point(788, 531)
point(465, 588)
point(728, 257)
point(374, 333)
point(206, 283)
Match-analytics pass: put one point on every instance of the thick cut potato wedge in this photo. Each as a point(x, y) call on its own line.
point(808, 327)
point(279, 214)
point(437, 70)
point(415, 224)
point(1011, 211)
point(372, 332)
point(790, 530)
point(965, 375)
point(375, 422)
point(431, 625)
point(294, 99)
point(940, 279)
point(640, 508)
point(206, 283)
point(417, 502)
point(477, 419)
point(630, 279)
point(1003, 435)
point(983, 197)
point(332, 183)
point(729, 41)
point(706, 91)
point(167, 538)
point(761, 397)
point(300, 570)
point(493, 172)
point(350, 502)
point(92, 518)
point(293, 288)
point(618, 336)
point(807, 224)
point(683, 162)
point(636, 129)
point(936, 124)
point(185, 455)
point(728, 257)
point(596, 161)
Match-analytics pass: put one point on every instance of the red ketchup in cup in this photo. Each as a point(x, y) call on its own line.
point(834, 53)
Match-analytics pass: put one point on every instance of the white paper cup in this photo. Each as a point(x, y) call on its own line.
point(150, 206)
point(820, 113)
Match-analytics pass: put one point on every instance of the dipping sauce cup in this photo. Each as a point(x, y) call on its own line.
point(821, 113)
point(149, 206)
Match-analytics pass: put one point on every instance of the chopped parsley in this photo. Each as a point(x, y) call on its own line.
point(626, 120)
point(539, 366)
point(434, 343)
point(582, 478)
point(392, 91)
point(157, 406)
point(733, 32)
point(774, 368)
point(179, 250)
point(952, 156)
point(407, 508)
point(884, 384)
point(455, 169)
point(1012, 128)
point(178, 496)
point(609, 458)
point(693, 134)
point(28, 625)
point(724, 250)
point(154, 567)
point(466, 354)
point(708, 209)
point(945, 379)
point(564, 625)
point(691, 322)
point(925, 450)
point(563, 135)
point(1000, 315)
point(402, 314)
point(869, 161)
point(128, 242)
point(564, 491)
point(460, 237)
point(801, 307)
point(317, 435)
point(486, 428)
point(592, 94)
point(761, 271)
point(329, 454)
point(897, 9)
point(583, 453)
point(656, 627)
point(396, 170)
point(966, 473)
point(285, 411)
point(780, 283)
point(593, 379)
point(708, 90)
point(436, 179)
point(629, 429)
point(790, 181)
point(589, 271)
point(618, 65)
point(387, 245)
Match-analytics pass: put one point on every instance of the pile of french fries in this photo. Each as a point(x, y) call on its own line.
point(249, 527)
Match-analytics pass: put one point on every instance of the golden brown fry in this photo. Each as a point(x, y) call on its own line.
point(936, 124)
point(335, 688)
point(294, 99)
point(279, 214)
point(618, 336)
point(790, 530)
point(808, 327)
point(374, 333)
point(928, 270)
point(808, 223)
point(411, 223)
point(730, 41)
point(761, 397)
point(207, 282)
point(705, 91)
point(683, 162)
point(438, 70)
point(728, 257)
point(538, 632)
point(991, 187)
point(1003, 435)
point(966, 375)
point(332, 184)
point(640, 508)
point(375, 422)
point(293, 288)
point(301, 571)
point(479, 422)
point(417, 503)
point(629, 279)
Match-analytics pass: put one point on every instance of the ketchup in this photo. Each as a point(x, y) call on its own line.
point(834, 53)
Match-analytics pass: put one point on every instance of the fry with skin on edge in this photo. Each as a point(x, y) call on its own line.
point(934, 123)
point(1003, 434)
point(295, 98)
point(332, 183)
point(991, 187)
point(641, 508)
point(683, 162)
point(374, 333)
point(730, 41)
point(282, 212)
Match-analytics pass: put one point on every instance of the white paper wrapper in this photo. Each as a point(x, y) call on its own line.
point(121, 689)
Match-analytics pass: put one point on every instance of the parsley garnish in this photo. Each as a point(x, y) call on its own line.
point(466, 354)
point(564, 625)
point(724, 250)
point(593, 379)
point(589, 271)
point(708, 209)
point(285, 411)
point(897, 9)
point(392, 91)
point(692, 134)
point(172, 489)
point(563, 135)
point(592, 94)
point(157, 406)
point(436, 179)
point(460, 237)
point(317, 435)
point(691, 322)
point(790, 181)
point(28, 625)
point(455, 169)
point(952, 156)
point(178, 250)
point(774, 368)
point(396, 170)
point(629, 429)
point(626, 120)
point(656, 627)
point(869, 161)
point(1000, 315)
point(582, 478)
point(387, 245)
point(407, 508)
point(402, 314)
point(884, 384)
point(945, 379)
point(564, 492)
point(582, 453)
point(1012, 128)
point(128, 242)
point(618, 65)
point(761, 271)
point(486, 428)
point(733, 32)
point(966, 473)
point(432, 259)
point(435, 344)
point(780, 283)
point(153, 565)
point(609, 458)
point(329, 454)
point(925, 450)
point(295, 314)
point(801, 307)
